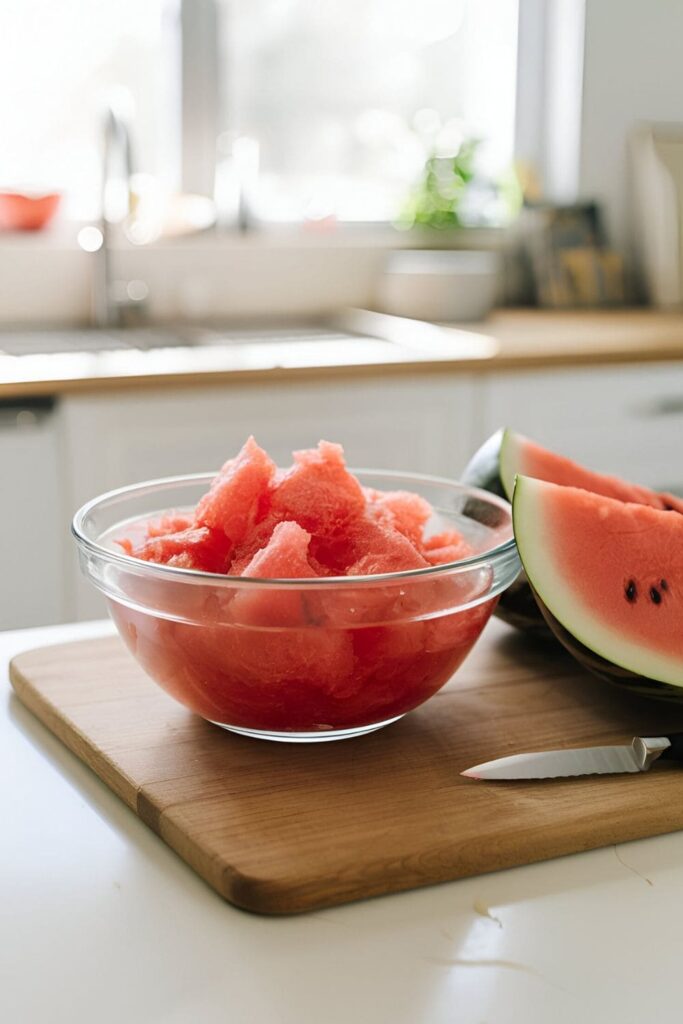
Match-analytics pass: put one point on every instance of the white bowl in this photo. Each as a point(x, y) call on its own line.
point(442, 285)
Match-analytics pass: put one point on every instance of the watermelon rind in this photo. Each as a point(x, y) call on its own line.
point(510, 459)
point(483, 469)
point(554, 593)
point(620, 677)
point(517, 605)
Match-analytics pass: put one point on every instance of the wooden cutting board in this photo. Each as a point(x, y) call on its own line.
point(279, 828)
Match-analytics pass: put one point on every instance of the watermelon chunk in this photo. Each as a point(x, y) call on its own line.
point(286, 679)
point(239, 493)
point(168, 524)
point(194, 548)
point(380, 549)
point(449, 546)
point(284, 557)
point(400, 510)
point(375, 549)
point(257, 539)
point(318, 492)
point(609, 574)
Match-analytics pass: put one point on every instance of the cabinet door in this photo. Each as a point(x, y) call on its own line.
point(33, 531)
point(423, 425)
point(626, 420)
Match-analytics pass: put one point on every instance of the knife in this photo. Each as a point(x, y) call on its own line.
point(638, 756)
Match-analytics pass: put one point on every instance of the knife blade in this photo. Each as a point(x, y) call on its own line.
point(637, 756)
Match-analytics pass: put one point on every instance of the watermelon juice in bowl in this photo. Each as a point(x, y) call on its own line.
point(336, 602)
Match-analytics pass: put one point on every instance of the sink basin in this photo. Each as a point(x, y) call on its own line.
point(33, 342)
point(77, 340)
point(268, 335)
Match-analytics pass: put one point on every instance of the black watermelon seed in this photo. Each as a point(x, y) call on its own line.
point(655, 595)
point(631, 591)
point(664, 585)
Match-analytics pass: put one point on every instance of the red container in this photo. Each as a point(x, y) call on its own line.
point(22, 211)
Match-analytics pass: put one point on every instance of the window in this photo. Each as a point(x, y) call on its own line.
point(327, 108)
point(58, 62)
point(345, 98)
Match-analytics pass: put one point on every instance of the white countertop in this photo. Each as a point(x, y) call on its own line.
point(100, 921)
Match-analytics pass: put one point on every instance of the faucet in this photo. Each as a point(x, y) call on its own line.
point(114, 301)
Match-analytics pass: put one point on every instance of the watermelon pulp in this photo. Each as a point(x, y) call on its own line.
point(303, 680)
point(275, 645)
point(609, 572)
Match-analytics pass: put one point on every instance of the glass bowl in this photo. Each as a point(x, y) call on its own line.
point(299, 660)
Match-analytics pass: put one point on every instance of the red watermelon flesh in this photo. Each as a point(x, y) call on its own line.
point(407, 513)
point(318, 492)
point(449, 546)
point(295, 679)
point(168, 524)
point(520, 455)
point(372, 550)
point(195, 548)
point(255, 541)
point(610, 572)
point(351, 530)
point(381, 549)
point(310, 657)
point(160, 527)
point(285, 555)
point(238, 494)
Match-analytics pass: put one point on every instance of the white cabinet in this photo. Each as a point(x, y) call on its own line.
point(422, 424)
point(33, 530)
point(624, 419)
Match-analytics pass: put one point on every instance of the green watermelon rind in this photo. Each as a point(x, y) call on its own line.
point(621, 678)
point(563, 604)
point(509, 460)
point(517, 606)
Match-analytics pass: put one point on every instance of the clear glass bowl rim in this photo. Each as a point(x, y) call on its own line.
point(499, 553)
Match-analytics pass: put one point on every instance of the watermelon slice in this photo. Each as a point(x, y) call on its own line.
point(608, 575)
point(494, 468)
point(506, 453)
point(518, 454)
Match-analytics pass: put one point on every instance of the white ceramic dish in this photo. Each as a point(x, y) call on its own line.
point(439, 285)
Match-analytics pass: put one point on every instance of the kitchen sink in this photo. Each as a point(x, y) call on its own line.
point(83, 340)
point(342, 329)
point(34, 343)
point(215, 336)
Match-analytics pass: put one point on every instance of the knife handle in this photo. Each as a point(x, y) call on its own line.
point(675, 751)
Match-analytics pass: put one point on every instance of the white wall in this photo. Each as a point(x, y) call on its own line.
point(633, 71)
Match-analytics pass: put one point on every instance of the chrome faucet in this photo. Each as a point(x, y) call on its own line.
point(115, 302)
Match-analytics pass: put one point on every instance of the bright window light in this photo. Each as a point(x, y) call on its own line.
point(346, 97)
point(58, 61)
point(329, 108)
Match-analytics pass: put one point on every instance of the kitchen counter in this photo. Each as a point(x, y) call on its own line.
point(101, 921)
point(509, 340)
